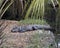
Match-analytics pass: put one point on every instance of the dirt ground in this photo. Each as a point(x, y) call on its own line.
point(15, 40)
point(20, 40)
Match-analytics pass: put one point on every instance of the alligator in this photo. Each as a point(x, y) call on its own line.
point(30, 28)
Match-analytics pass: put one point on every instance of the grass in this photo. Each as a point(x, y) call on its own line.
point(33, 21)
point(36, 41)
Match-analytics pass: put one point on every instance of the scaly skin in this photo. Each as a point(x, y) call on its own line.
point(30, 28)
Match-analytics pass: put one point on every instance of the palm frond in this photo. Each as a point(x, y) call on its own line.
point(3, 10)
point(36, 9)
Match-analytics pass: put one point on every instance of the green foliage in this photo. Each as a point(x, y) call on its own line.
point(58, 20)
point(36, 9)
point(1, 1)
point(30, 8)
point(32, 21)
point(36, 41)
point(5, 7)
